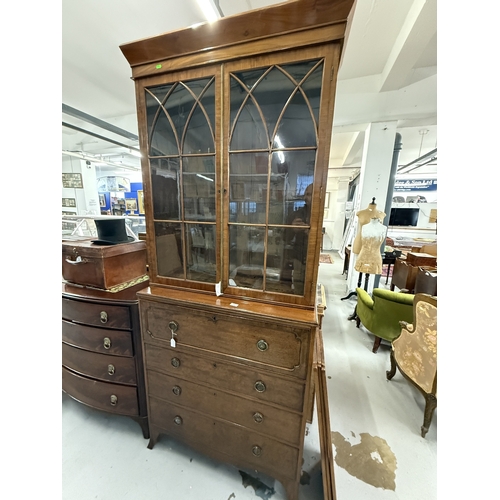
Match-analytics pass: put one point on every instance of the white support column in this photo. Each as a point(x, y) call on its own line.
point(375, 173)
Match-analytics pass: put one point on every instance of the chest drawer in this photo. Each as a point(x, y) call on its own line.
point(105, 315)
point(268, 343)
point(115, 398)
point(252, 414)
point(101, 366)
point(231, 377)
point(113, 342)
point(246, 448)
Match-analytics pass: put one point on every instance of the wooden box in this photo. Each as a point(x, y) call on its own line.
point(103, 266)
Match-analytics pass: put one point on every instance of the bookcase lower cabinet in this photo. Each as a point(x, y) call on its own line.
point(229, 378)
point(101, 351)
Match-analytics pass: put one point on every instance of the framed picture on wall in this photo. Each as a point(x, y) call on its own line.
point(140, 198)
point(131, 204)
point(72, 180)
point(69, 202)
point(102, 200)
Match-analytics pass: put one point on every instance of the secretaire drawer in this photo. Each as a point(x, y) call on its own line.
point(121, 399)
point(246, 447)
point(268, 343)
point(105, 315)
point(114, 342)
point(107, 368)
point(244, 380)
point(255, 415)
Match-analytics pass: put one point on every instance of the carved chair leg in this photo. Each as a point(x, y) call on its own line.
point(358, 321)
point(390, 373)
point(430, 406)
point(376, 344)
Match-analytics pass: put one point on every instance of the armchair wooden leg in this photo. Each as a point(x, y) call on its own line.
point(358, 321)
point(376, 344)
point(390, 373)
point(430, 406)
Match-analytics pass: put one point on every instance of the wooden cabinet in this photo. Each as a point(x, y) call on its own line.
point(101, 351)
point(235, 122)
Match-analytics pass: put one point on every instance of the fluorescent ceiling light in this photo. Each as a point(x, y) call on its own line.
point(210, 9)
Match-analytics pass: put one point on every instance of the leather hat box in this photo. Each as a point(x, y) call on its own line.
point(103, 266)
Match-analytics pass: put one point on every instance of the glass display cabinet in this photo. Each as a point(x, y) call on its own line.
point(235, 122)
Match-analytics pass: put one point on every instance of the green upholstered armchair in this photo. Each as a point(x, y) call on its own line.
point(382, 312)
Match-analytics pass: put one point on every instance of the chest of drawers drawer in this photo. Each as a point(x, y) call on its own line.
point(105, 315)
point(120, 370)
point(281, 348)
point(103, 340)
point(244, 447)
point(231, 377)
point(252, 414)
point(114, 398)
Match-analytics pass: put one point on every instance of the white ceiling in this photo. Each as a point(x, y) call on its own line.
point(388, 71)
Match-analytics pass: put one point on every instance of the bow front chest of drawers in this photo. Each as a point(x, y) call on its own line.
point(101, 351)
point(230, 378)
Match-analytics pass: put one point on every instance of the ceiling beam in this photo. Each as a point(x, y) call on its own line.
point(68, 110)
point(417, 31)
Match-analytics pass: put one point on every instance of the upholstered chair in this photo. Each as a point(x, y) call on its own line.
point(381, 313)
point(414, 352)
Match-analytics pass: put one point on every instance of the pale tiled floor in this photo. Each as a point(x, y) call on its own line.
point(105, 456)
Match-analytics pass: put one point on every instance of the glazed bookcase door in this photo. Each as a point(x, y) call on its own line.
point(179, 130)
point(275, 167)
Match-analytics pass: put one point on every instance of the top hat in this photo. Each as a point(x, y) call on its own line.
point(111, 232)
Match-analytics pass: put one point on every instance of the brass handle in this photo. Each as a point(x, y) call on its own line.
point(262, 345)
point(257, 451)
point(111, 369)
point(177, 420)
point(175, 362)
point(176, 390)
point(258, 417)
point(113, 400)
point(260, 386)
point(174, 326)
point(104, 317)
point(106, 342)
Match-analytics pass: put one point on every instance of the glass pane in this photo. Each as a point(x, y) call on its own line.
point(295, 254)
point(199, 137)
point(296, 128)
point(278, 268)
point(179, 105)
point(199, 188)
point(208, 103)
point(165, 182)
point(312, 88)
point(246, 256)
point(169, 249)
point(299, 70)
point(201, 257)
point(249, 132)
point(248, 173)
point(162, 138)
point(271, 94)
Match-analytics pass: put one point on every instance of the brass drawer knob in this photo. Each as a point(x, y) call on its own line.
point(177, 420)
point(104, 317)
point(111, 370)
point(113, 400)
point(106, 342)
point(258, 417)
point(260, 386)
point(262, 345)
point(257, 451)
point(176, 362)
point(176, 390)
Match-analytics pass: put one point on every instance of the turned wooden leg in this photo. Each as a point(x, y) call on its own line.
point(358, 321)
point(143, 422)
point(376, 344)
point(353, 315)
point(390, 373)
point(153, 437)
point(292, 489)
point(430, 406)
